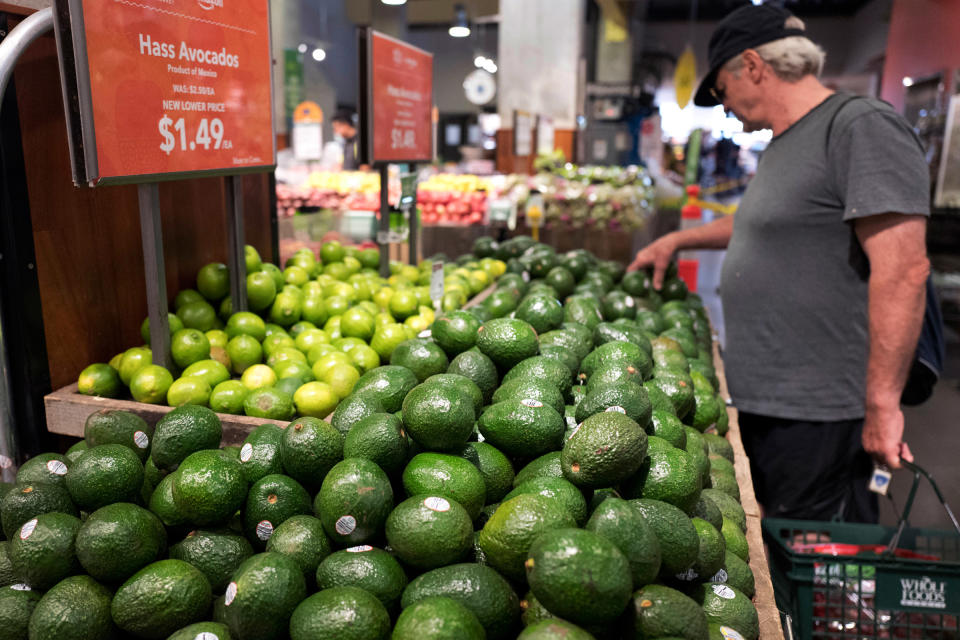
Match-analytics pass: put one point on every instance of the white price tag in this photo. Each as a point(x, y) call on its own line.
point(436, 283)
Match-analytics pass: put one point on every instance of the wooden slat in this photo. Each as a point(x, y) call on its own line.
point(67, 412)
point(770, 627)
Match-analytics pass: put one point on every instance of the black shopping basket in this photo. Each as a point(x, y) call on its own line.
point(845, 580)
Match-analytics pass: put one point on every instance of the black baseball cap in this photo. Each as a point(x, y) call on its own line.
point(742, 29)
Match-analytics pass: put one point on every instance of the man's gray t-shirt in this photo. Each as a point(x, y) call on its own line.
point(794, 282)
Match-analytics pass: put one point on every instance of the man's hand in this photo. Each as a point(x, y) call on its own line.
point(657, 254)
point(883, 436)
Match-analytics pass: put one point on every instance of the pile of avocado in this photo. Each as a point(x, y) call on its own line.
point(529, 468)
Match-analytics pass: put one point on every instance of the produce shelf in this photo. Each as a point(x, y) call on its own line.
point(770, 627)
point(67, 410)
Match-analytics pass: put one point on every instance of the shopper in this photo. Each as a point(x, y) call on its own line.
point(823, 281)
point(341, 152)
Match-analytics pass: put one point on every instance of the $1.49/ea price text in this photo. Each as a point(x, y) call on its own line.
point(175, 136)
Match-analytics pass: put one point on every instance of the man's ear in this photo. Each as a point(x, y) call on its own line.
point(753, 65)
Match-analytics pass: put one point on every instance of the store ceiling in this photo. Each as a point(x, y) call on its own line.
point(431, 12)
point(666, 10)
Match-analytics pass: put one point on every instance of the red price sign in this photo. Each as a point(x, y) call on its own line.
point(398, 111)
point(170, 87)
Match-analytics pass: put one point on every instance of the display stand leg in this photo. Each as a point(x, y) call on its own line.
point(154, 273)
point(384, 228)
point(235, 249)
point(414, 237)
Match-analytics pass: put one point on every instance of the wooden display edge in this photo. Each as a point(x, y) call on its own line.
point(764, 600)
point(67, 411)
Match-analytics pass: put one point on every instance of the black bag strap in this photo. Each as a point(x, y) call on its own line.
point(845, 100)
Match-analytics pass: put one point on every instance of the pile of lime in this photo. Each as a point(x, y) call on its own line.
point(312, 330)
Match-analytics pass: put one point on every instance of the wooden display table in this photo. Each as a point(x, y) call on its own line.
point(770, 627)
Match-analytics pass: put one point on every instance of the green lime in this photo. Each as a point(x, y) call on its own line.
point(132, 361)
point(404, 303)
point(386, 338)
point(150, 384)
point(332, 252)
point(313, 308)
point(357, 323)
point(217, 338)
point(286, 353)
point(188, 346)
point(332, 327)
point(213, 281)
point(245, 322)
point(336, 270)
point(328, 361)
point(318, 351)
point(296, 275)
point(269, 402)
point(185, 297)
point(275, 274)
point(341, 378)
point(369, 258)
point(258, 376)
point(244, 352)
point(99, 379)
point(316, 399)
point(276, 341)
point(261, 290)
point(309, 338)
point(336, 305)
point(228, 397)
point(173, 322)
point(189, 390)
point(290, 368)
point(364, 358)
point(210, 370)
point(252, 257)
point(198, 315)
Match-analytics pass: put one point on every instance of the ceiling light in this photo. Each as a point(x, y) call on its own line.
point(907, 81)
point(460, 28)
point(395, 3)
point(319, 54)
point(479, 61)
point(490, 66)
point(302, 47)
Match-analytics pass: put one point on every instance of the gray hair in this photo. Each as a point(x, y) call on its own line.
point(791, 58)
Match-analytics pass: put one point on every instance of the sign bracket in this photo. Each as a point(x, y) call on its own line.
point(235, 243)
point(154, 273)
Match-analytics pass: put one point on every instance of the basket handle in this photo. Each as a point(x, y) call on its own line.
point(918, 471)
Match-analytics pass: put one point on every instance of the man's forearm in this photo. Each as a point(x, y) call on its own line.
point(896, 304)
point(713, 235)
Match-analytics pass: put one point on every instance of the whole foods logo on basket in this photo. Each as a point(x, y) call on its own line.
point(923, 592)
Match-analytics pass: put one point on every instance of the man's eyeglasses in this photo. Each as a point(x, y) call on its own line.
point(718, 93)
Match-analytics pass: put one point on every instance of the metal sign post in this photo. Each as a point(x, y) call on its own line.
point(154, 273)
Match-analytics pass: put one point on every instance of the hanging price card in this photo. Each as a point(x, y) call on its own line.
point(167, 88)
point(396, 111)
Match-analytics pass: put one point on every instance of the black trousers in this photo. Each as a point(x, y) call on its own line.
point(809, 470)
